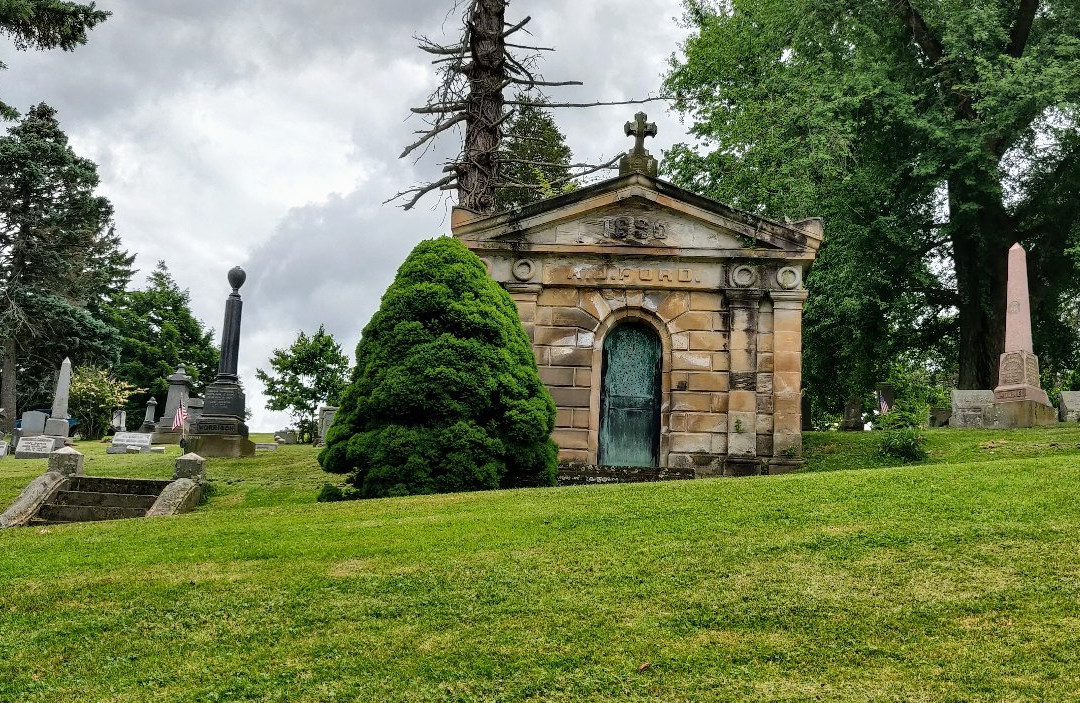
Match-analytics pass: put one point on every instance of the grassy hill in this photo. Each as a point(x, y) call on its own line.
point(953, 580)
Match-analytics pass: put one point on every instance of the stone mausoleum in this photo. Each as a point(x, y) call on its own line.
point(667, 326)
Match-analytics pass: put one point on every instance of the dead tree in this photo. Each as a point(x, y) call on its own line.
point(474, 73)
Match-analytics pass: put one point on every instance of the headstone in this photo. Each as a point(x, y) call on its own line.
point(191, 466)
point(33, 423)
point(939, 417)
point(195, 411)
point(886, 397)
point(266, 447)
point(39, 447)
point(179, 392)
point(853, 416)
point(149, 424)
point(57, 425)
point(972, 409)
point(1069, 407)
point(1019, 396)
point(3, 449)
point(122, 442)
point(119, 420)
point(221, 431)
point(326, 418)
point(807, 420)
point(66, 462)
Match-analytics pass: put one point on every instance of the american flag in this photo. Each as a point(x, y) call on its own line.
point(181, 417)
point(884, 403)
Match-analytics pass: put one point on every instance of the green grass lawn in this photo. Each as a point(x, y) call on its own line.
point(956, 580)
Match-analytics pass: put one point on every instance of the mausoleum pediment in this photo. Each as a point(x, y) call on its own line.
point(639, 215)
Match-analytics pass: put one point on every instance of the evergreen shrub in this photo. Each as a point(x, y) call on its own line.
point(445, 395)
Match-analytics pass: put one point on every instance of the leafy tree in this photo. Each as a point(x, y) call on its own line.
point(58, 255)
point(46, 24)
point(930, 135)
point(445, 395)
point(534, 156)
point(309, 373)
point(157, 333)
point(95, 394)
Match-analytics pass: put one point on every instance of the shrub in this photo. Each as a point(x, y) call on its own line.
point(445, 395)
point(330, 493)
point(94, 395)
point(907, 444)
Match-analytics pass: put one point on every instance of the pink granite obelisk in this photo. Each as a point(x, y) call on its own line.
point(1019, 397)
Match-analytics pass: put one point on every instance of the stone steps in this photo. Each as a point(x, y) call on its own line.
point(51, 514)
point(93, 499)
point(104, 500)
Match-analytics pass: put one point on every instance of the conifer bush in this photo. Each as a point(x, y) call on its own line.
point(445, 395)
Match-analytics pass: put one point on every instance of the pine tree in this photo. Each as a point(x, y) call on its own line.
point(445, 395)
point(58, 254)
point(158, 332)
point(46, 24)
point(534, 157)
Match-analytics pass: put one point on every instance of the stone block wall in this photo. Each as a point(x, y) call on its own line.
point(729, 400)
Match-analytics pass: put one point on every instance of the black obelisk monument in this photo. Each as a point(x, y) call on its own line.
point(221, 431)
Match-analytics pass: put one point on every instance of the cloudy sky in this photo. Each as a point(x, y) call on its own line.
point(265, 133)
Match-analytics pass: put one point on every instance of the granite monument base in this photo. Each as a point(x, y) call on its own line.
point(57, 427)
point(166, 438)
point(221, 446)
point(1069, 410)
point(1024, 413)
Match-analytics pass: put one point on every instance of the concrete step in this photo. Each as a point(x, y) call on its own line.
point(136, 486)
point(106, 500)
point(51, 513)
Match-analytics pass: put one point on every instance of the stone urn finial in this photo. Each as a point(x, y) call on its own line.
point(237, 276)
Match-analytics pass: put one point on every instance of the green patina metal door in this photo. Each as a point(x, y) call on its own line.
point(630, 397)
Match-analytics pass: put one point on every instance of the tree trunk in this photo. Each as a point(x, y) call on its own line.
point(982, 233)
point(7, 388)
point(483, 107)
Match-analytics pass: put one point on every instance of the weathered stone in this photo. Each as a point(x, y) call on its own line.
point(38, 493)
point(125, 440)
point(179, 395)
point(37, 447)
point(190, 466)
point(940, 417)
point(853, 416)
point(180, 496)
point(149, 423)
point(326, 418)
point(1069, 407)
point(66, 462)
point(972, 409)
point(61, 397)
point(266, 446)
point(721, 290)
point(1020, 399)
point(33, 423)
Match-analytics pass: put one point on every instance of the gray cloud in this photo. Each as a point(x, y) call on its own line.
point(266, 132)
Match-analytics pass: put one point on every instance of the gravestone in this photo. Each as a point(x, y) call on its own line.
point(1069, 407)
point(886, 397)
point(179, 393)
point(195, 411)
point(33, 423)
point(266, 447)
point(853, 416)
point(149, 424)
point(1019, 397)
point(57, 425)
point(3, 449)
point(221, 431)
point(123, 442)
point(939, 417)
point(326, 418)
point(39, 447)
point(119, 420)
point(973, 409)
point(807, 420)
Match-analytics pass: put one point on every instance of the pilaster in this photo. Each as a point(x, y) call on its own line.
point(787, 374)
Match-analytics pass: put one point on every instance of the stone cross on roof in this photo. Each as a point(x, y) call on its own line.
point(639, 160)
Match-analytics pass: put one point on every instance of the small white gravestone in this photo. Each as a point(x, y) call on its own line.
point(35, 447)
point(3, 449)
point(123, 442)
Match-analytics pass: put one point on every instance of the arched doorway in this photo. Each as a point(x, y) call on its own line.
point(630, 397)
